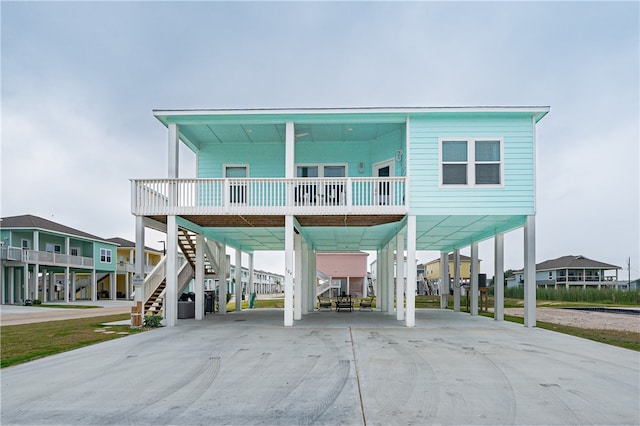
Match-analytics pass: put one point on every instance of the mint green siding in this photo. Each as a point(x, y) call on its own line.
point(105, 266)
point(515, 197)
point(265, 159)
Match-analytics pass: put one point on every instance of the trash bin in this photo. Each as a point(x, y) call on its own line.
point(209, 297)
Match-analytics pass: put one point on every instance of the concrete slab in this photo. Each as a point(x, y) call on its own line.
point(331, 368)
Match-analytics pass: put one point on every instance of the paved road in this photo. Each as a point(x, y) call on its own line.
point(331, 368)
point(13, 314)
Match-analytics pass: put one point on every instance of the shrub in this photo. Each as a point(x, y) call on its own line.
point(152, 321)
point(36, 302)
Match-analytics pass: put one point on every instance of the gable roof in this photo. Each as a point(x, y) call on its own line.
point(34, 222)
point(572, 262)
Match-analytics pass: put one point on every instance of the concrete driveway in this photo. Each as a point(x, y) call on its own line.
point(331, 368)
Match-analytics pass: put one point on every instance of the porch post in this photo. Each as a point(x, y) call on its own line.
point(444, 279)
point(198, 286)
point(304, 252)
point(66, 285)
point(238, 280)
point(222, 279)
point(381, 266)
point(12, 278)
point(312, 278)
point(530, 272)
point(173, 163)
point(474, 279)
point(297, 287)
point(288, 268)
point(139, 259)
point(456, 280)
point(73, 285)
point(44, 285)
point(171, 289)
point(251, 284)
point(94, 285)
point(411, 272)
point(498, 282)
point(400, 285)
point(391, 276)
point(2, 292)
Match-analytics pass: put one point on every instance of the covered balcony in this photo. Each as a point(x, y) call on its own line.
point(365, 197)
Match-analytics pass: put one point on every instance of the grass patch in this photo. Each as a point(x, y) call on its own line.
point(623, 339)
point(26, 342)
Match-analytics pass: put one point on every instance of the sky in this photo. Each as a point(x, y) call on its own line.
point(79, 81)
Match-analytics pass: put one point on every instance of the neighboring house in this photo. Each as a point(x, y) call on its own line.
point(432, 268)
point(346, 272)
point(571, 272)
point(346, 179)
point(125, 258)
point(263, 282)
point(48, 261)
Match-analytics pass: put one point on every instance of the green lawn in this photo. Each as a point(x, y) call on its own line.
point(26, 342)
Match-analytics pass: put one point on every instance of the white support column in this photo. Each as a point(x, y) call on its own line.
point(498, 284)
point(312, 279)
point(400, 285)
point(251, 290)
point(173, 160)
point(474, 279)
point(222, 279)
point(456, 280)
point(73, 285)
point(139, 259)
point(304, 279)
point(390, 278)
point(289, 156)
point(3, 295)
point(444, 279)
point(297, 286)
point(113, 288)
point(411, 272)
point(238, 280)
point(25, 282)
point(198, 287)
point(530, 272)
point(11, 284)
point(288, 268)
point(381, 265)
point(44, 286)
point(171, 290)
point(94, 286)
point(66, 284)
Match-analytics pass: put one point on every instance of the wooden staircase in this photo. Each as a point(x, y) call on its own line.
point(187, 243)
point(153, 305)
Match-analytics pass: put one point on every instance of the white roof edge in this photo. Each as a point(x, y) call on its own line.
point(380, 110)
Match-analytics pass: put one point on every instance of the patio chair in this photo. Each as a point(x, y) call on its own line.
point(324, 303)
point(367, 303)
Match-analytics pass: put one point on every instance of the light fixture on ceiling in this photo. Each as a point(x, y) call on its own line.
point(301, 135)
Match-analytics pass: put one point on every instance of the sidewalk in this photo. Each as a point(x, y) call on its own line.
point(16, 314)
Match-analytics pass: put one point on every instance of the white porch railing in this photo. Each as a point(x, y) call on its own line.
point(44, 257)
point(299, 196)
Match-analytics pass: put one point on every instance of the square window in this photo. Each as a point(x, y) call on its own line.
point(487, 150)
point(454, 174)
point(487, 174)
point(454, 151)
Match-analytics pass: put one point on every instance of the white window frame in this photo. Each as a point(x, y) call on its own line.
point(52, 248)
point(321, 167)
point(105, 255)
point(239, 193)
point(25, 244)
point(471, 161)
point(77, 249)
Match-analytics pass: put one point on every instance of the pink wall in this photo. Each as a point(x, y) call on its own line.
point(342, 264)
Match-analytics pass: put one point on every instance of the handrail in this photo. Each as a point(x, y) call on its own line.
point(372, 195)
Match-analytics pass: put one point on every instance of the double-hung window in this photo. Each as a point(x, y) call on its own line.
point(105, 255)
point(471, 162)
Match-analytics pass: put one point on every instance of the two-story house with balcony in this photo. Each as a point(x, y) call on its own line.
point(571, 272)
point(42, 259)
point(309, 180)
point(125, 258)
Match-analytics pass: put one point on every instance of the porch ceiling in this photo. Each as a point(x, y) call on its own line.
point(197, 134)
point(330, 233)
